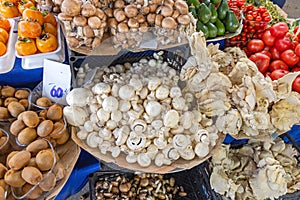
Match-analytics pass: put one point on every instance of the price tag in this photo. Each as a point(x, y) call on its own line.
point(56, 81)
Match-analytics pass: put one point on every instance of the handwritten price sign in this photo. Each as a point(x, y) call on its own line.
point(56, 81)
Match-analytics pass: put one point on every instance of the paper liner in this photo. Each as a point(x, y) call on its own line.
point(121, 162)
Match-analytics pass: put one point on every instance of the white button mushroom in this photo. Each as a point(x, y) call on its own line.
point(110, 104)
point(82, 134)
point(116, 115)
point(175, 92)
point(78, 97)
point(131, 157)
point(160, 142)
point(202, 149)
point(171, 119)
point(93, 140)
point(126, 92)
point(143, 160)
point(153, 83)
point(178, 103)
point(75, 115)
point(139, 126)
point(180, 141)
point(101, 88)
point(111, 124)
point(88, 126)
point(157, 124)
point(124, 105)
point(170, 152)
point(104, 147)
point(115, 151)
point(152, 150)
point(136, 142)
point(153, 108)
point(136, 84)
point(188, 153)
point(105, 134)
point(121, 135)
point(102, 115)
point(162, 92)
point(186, 120)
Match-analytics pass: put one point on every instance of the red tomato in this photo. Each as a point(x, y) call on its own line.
point(279, 29)
point(262, 61)
point(297, 50)
point(296, 84)
point(255, 45)
point(275, 54)
point(289, 57)
point(278, 64)
point(296, 69)
point(278, 73)
point(268, 39)
point(283, 44)
point(266, 52)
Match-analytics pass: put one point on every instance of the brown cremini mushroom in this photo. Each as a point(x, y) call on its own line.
point(88, 32)
point(112, 23)
point(79, 20)
point(94, 22)
point(158, 20)
point(122, 27)
point(108, 12)
point(133, 23)
point(166, 11)
point(64, 17)
point(140, 18)
point(169, 3)
point(183, 19)
point(130, 11)
point(119, 15)
point(101, 14)
point(145, 10)
point(151, 18)
point(182, 7)
point(152, 7)
point(176, 13)
point(119, 4)
point(96, 42)
point(169, 23)
point(71, 7)
point(144, 27)
point(88, 9)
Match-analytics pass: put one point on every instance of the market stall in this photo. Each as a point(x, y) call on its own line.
point(156, 99)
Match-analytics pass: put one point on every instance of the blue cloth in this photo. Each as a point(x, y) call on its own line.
point(280, 3)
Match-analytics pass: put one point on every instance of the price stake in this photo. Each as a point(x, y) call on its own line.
point(56, 81)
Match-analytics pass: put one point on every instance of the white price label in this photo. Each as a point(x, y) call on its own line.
point(56, 81)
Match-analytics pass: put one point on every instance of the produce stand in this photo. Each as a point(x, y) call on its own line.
point(87, 164)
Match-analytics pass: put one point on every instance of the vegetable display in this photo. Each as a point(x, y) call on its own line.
point(4, 34)
point(213, 17)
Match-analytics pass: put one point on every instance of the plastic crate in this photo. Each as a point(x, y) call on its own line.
point(194, 181)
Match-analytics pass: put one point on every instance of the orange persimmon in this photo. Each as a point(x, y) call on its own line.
point(4, 35)
point(8, 9)
point(4, 23)
point(29, 29)
point(49, 28)
point(46, 43)
point(24, 4)
point(2, 48)
point(33, 14)
point(25, 46)
point(49, 18)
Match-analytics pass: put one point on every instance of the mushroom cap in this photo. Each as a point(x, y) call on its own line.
point(183, 19)
point(122, 27)
point(140, 18)
point(131, 11)
point(79, 20)
point(133, 23)
point(88, 32)
point(158, 20)
point(166, 11)
point(72, 41)
point(64, 17)
point(182, 7)
point(94, 22)
point(119, 15)
point(71, 7)
point(119, 4)
point(169, 23)
point(88, 9)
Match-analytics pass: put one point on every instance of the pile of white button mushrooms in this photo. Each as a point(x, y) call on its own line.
point(258, 170)
point(141, 110)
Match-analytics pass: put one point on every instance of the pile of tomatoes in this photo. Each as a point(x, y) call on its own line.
point(277, 53)
point(255, 22)
point(36, 33)
point(4, 34)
